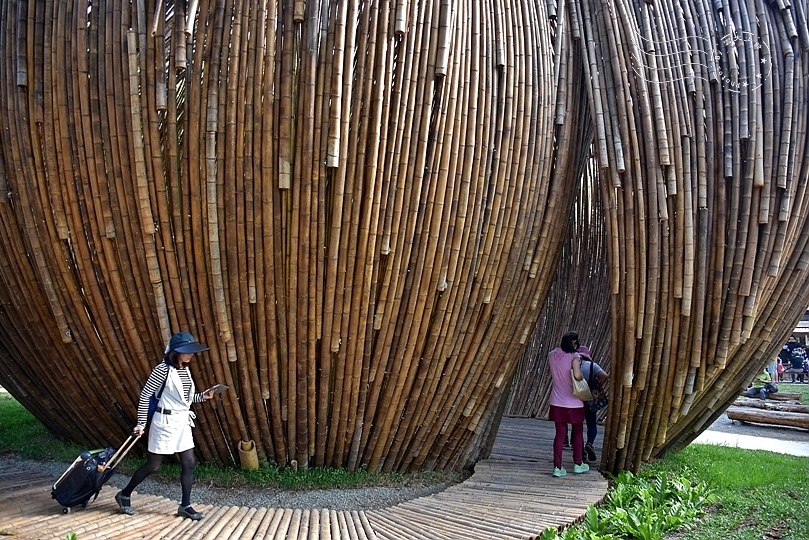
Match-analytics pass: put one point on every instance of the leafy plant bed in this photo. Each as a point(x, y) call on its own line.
point(710, 493)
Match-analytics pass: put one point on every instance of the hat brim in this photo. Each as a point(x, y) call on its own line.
point(192, 348)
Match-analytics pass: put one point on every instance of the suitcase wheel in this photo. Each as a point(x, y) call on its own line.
point(66, 510)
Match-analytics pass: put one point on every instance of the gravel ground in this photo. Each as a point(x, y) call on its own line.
point(366, 498)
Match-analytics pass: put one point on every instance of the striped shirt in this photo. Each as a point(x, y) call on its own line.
point(156, 378)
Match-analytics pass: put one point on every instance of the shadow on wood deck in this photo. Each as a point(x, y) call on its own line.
point(511, 495)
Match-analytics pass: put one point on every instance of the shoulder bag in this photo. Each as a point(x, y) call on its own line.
point(580, 388)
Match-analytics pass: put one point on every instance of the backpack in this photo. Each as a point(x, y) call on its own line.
point(771, 388)
point(154, 399)
point(600, 399)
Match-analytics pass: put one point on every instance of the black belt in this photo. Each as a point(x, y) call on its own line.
point(161, 410)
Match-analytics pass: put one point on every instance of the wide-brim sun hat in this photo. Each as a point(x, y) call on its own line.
point(185, 343)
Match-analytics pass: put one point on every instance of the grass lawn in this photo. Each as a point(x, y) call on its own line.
point(802, 389)
point(760, 494)
point(23, 435)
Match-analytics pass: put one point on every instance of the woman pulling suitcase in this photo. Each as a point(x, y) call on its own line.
point(170, 430)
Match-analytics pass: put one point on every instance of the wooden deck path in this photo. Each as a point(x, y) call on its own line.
point(511, 495)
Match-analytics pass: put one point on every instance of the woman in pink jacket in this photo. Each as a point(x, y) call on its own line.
point(565, 407)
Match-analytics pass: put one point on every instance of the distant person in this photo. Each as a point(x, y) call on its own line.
point(791, 348)
point(784, 353)
point(591, 416)
point(796, 358)
point(762, 387)
point(565, 408)
point(772, 369)
point(779, 371)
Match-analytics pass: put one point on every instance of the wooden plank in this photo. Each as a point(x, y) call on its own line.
point(511, 495)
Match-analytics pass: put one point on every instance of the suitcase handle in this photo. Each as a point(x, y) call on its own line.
point(119, 454)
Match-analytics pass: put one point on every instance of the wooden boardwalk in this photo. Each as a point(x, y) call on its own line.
point(511, 495)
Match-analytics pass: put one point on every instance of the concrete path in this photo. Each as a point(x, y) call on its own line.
point(750, 442)
point(782, 440)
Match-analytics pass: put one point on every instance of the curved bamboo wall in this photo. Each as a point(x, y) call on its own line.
point(705, 178)
point(700, 133)
point(361, 208)
point(579, 299)
point(340, 199)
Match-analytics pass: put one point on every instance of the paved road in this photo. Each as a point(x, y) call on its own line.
point(784, 440)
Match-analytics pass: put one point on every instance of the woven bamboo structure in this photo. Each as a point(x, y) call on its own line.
point(361, 208)
point(578, 299)
point(700, 139)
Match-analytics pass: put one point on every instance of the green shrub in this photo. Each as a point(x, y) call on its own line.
point(640, 507)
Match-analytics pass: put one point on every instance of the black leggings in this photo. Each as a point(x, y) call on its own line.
point(152, 465)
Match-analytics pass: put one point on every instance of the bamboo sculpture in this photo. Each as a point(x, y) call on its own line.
point(700, 137)
point(361, 208)
point(579, 299)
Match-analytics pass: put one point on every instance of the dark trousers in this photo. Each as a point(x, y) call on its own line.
point(758, 392)
point(592, 425)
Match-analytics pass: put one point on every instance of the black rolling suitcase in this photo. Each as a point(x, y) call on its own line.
point(87, 475)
